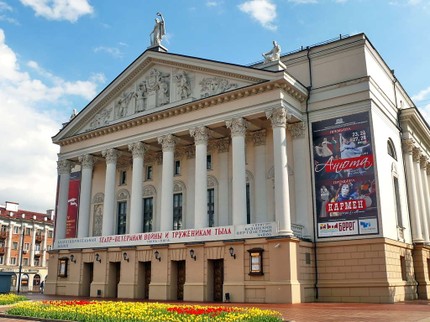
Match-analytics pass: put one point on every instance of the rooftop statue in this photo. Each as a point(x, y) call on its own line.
point(159, 31)
point(274, 54)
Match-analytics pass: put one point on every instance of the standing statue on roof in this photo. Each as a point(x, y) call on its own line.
point(159, 31)
point(274, 54)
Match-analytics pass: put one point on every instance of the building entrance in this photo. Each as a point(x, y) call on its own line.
point(218, 279)
point(114, 278)
point(143, 280)
point(87, 279)
point(178, 271)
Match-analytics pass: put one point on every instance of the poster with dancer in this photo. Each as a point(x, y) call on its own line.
point(345, 185)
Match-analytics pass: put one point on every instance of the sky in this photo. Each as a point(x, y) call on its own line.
point(56, 55)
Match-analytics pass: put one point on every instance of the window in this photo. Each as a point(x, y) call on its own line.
point(62, 267)
point(15, 229)
point(13, 260)
point(403, 267)
point(398, 205)
point(177, 211)
point(147, 214)
point(209, 162)
point(50, 234)
point(1, 259)
point(25, 261)
point(149, 172)
point(36, 262)
point(177, 167)
point(123, 177)
point(248, 204)
point(37, 247)
point(211, 206)
point(26, 246)
point(3, 229)
point(15, 245)
point(391, 149)
point(122, 217)
point(27, 231)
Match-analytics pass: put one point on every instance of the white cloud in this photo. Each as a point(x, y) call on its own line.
point(421, 100)
point(213, 3)
point(264, 11)
point(422, 95)
point(303, 1)
point(115, 52)
point(70, 10)
point(29, 172)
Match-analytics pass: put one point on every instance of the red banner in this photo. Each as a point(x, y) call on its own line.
point(73, 204)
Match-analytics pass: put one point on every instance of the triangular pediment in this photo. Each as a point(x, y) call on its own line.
point(158, 81)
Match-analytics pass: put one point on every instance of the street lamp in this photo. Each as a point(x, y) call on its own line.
point(21, 253)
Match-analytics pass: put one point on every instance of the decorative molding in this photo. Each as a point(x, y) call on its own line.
point(259, 137)
point(408, 145)
point(149, 191)
point(423, 162)
point(416, 154)
point(223, 144)
point(123, 194)
point(111, 155)
point(87, 161)
point(178, 186)
point(278, 116)
point(200, 135)
point(190, 152)
point(64, 167)
point(212, 182)
point(138, 149)
point(98, 198)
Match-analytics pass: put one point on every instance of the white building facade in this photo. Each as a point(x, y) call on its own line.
point(297, 179)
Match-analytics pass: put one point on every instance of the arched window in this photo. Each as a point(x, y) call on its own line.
point(391, 149)
point(212, 185)
point(122, 202)
point(178, 204)
point(149, 194)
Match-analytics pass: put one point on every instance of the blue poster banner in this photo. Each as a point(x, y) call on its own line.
point(345, 186)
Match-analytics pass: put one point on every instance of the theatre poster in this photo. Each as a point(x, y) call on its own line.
point(73, 204)
point(345, 185)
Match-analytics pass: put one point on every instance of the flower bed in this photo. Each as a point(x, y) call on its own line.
point(108, 311)
point(11, 298)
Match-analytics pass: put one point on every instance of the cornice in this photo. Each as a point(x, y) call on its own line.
point(240, 93)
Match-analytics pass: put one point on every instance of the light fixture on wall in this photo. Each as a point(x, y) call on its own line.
point(98, 259)
point(157, 255)
point(125, 256)
point(232, 254)
point(72, 258)
point(192, 254)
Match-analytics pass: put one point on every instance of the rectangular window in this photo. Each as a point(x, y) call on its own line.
point(147, 214)
point(3, 229)
point(211, 207)
point(1, 259)
point(209, 162)
point(15, 229)
point(50, 234)
point(248, 204)
point(26, 246)
point(398, 205)
point(123, 177)
point(177, 211)
point(15, 245)
point(177, 167)
point(36, 262)
point(403, 267)
point(13, 260)
point(27, 231)
point(37, 247)
point(122, 217)
point(149, 172)
point(25, 261)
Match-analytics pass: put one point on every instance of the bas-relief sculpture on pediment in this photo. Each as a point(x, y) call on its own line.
point(158, 88)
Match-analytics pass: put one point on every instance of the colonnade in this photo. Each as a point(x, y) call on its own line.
point(238, 129)
point(418, 172)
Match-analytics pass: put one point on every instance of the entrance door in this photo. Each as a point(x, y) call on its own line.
point(218, 279)
point(143, 280)
point(180, 267)
point(87, 279)
point(114, 278)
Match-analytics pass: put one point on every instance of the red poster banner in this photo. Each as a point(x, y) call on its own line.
point(73, 204)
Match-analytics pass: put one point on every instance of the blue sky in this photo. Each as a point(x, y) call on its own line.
point(56, 55)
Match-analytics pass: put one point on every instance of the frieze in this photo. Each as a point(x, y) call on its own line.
point(297, 130)
point(215, 85)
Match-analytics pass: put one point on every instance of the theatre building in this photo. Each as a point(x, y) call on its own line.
point(301, 178)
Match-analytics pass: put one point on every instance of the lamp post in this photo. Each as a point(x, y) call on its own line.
point(21, 253)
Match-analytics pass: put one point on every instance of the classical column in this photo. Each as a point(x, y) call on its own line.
point(259, 139)
point(168, 145)
point(238, 130)
point(425, 198)
point(408, 147)
point(45, 244)
point(136, 207)
point(63, 168)
point(201, 219)
point(190, 153)
point(33, 245)
point(223, 189)
point(111, 157)
point(9, 243)
point(278, 117)
point(87, 164)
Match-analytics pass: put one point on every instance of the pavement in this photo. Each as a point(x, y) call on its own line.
point(411, 311)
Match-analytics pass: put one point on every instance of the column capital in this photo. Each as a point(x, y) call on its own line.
point(200, 135)
point(87, 161)
point(408, 145)
point(237, 126)
point(259, 137)
point(416, 154)
point(137, 149)
point(297, 130)
point(423, 162)
point(64, 166)
point(167, 142)
point(111, 155)
point(278, 116)
point(223, 145)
